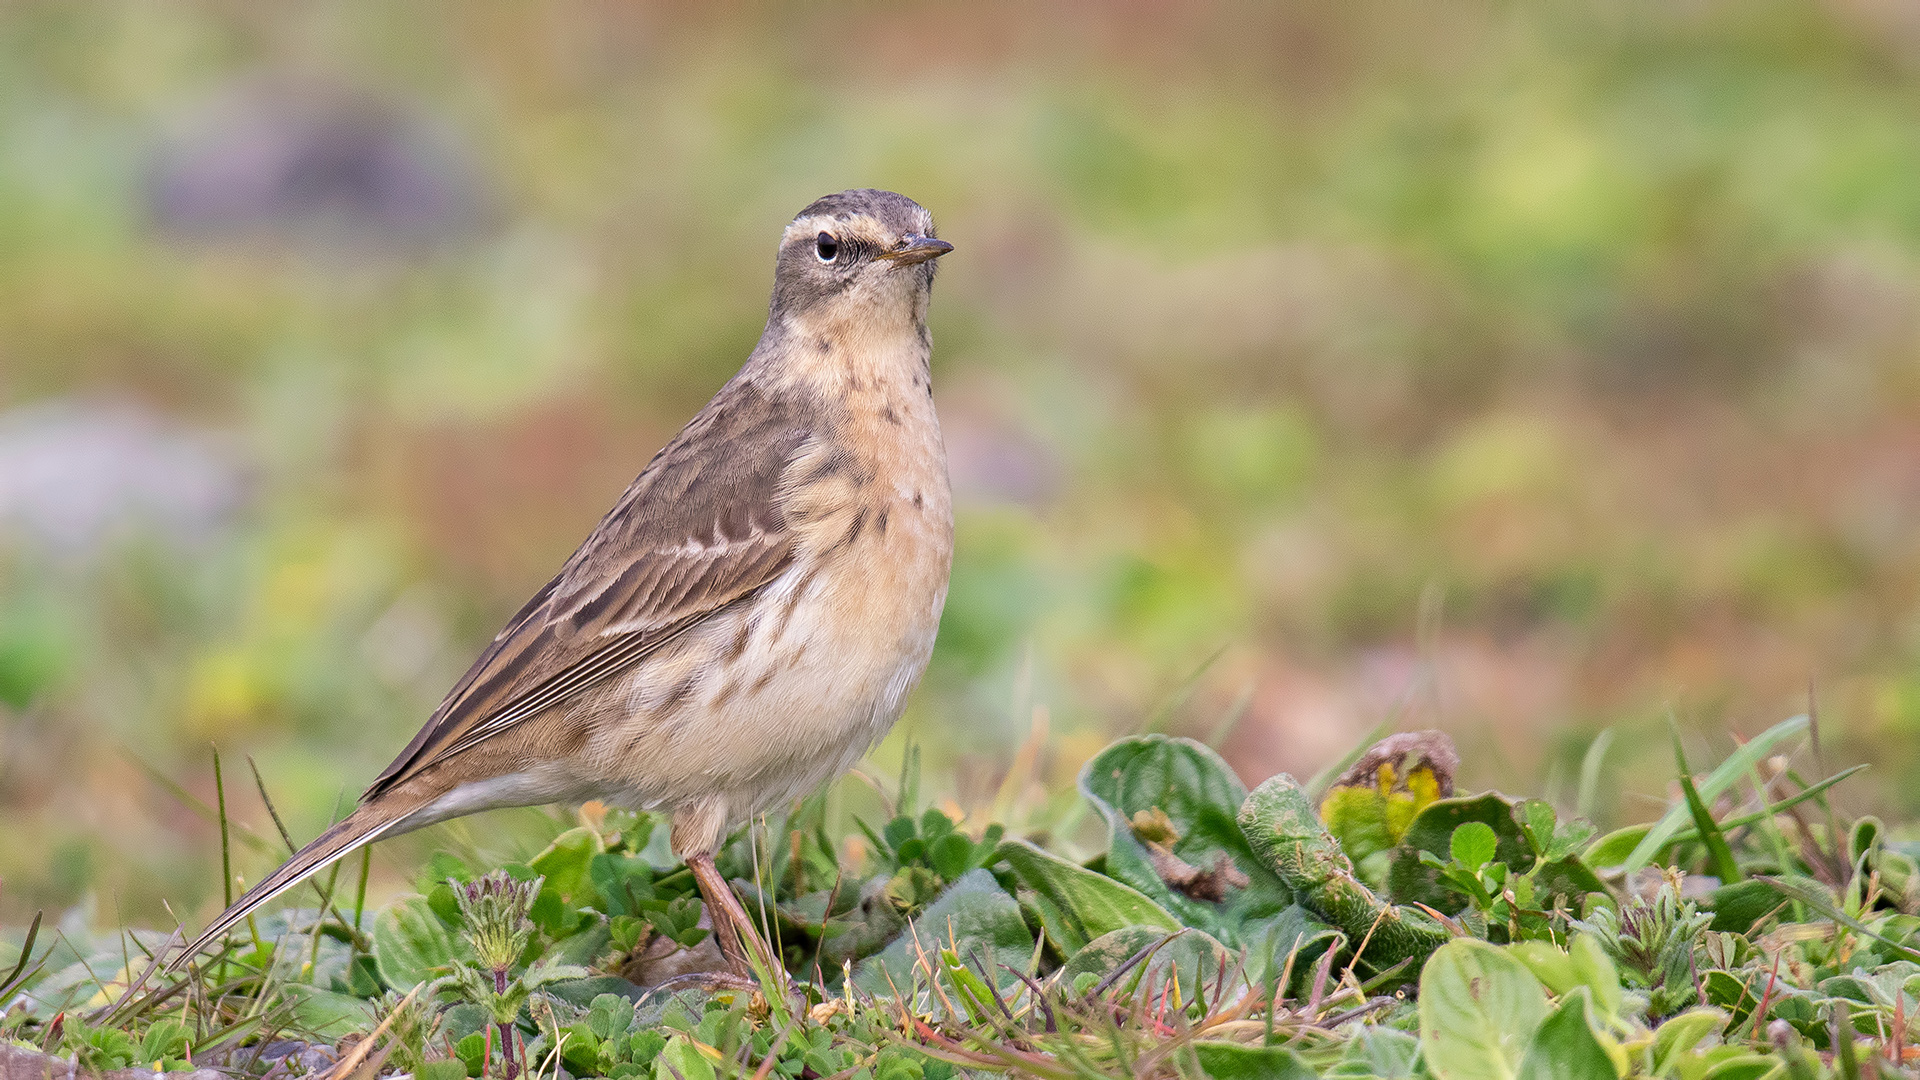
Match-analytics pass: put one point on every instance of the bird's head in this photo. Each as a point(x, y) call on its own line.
point(862, 251)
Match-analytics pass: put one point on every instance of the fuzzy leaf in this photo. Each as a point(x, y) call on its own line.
point(1289, 838)
point(1198, 797)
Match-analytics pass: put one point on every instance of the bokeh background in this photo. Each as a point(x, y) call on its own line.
point(1525, 370)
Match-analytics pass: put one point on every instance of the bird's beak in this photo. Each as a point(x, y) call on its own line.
point(916, 249)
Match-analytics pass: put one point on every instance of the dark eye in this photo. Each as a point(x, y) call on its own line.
point(826, 247)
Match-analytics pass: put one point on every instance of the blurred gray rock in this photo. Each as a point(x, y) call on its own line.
point(75, 473)
point(312, 163)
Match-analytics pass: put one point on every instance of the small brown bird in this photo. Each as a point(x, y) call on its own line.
point(749, 618)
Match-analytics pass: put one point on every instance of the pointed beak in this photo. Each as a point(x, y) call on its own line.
point(916, 249)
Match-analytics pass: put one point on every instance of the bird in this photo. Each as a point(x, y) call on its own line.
point(752, 614)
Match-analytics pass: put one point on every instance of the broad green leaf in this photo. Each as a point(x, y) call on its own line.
point(1201, 967)
point(1565, 1046)
point(975, 918)
point(1478, 1011)
point(1548, 962)
point(1680, 1034)
point(1091, 904)
point(1595, 969)
point(1235, 1061)
point(567, 863)
point(1613, 848)
point(411, 944)
point(1410, 881)
point(1737, 764)
point(1737, 1065)
point(1199, 795)
point(580, 988)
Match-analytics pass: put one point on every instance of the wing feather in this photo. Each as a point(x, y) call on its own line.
point(702, 527)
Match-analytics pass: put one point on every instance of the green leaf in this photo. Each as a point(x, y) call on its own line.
point(1594, 968)
point(1091, 904)
point(1565, 1046)
point(1191, 960)
point(1288, 837)
point(447, 1069)
point(900, 830)
point(680, 1059)
point(1409, 880)
point(442, 866)
point(1680, 1034)
point(1200, 797)
point(1379, 1053)
point(1473, 845)
point(1538, 821)
point(1478, 1011)
point(567, 863)
point(410, 943)
point(934, 825)
point(1548, 962)
point(1743, 758)
point(1724, 866)
point(1108, 951)
point(622, 882)
point(975, 915)
point(951, 855)
point(1234, 1061)
point(325, 1014)
point(1614, 848)
point(167, 1038)
point(1295, 932)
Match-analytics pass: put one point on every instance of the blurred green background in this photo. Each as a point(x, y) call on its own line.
point(1516, 369)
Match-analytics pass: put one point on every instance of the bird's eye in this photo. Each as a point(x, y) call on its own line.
point(826, 247)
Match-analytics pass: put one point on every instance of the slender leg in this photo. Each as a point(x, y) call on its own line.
point(738, 934)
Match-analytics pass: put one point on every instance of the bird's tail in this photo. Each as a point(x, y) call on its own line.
point(362, 827)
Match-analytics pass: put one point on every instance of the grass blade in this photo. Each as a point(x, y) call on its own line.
point(226, 846)
point(1590, 763)
point(1724, 866)
point(24, 970)
point(1816, 899)
point(1718, 781)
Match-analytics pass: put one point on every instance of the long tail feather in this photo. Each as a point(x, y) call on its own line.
point(360, 828)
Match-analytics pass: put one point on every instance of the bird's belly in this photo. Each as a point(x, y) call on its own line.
point(762, 702)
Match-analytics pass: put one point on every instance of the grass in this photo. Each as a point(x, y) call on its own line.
point(1373, 923)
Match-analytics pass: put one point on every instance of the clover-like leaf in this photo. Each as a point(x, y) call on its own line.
point(1473, 845)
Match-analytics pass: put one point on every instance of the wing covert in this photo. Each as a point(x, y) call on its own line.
point(701, 527)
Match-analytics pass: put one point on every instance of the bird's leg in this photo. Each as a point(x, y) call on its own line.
point(738, 935)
